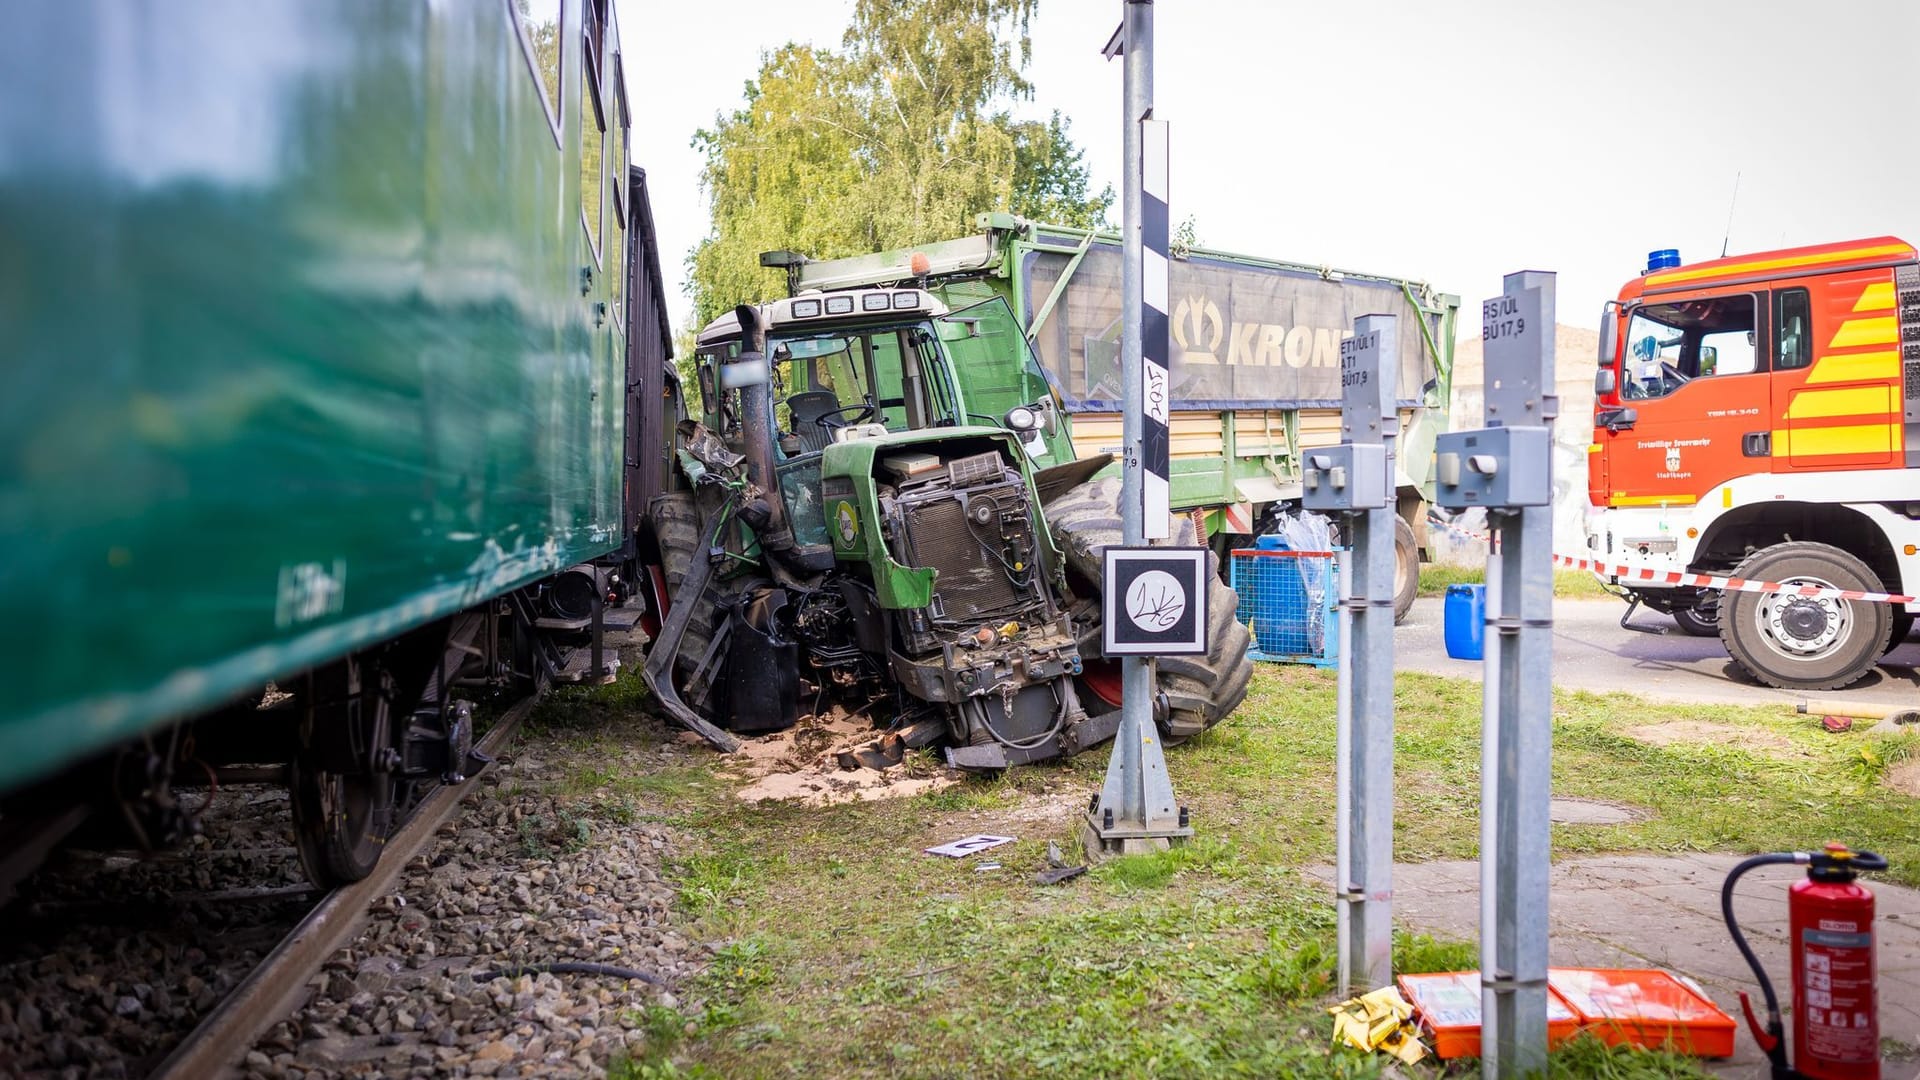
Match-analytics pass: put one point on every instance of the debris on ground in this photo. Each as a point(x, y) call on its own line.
point(836, 757)
point(1378, 1021)
point(968, 845)
point(1058, 875)
point(1837, 724)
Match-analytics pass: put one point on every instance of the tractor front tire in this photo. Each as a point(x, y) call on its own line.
point(676, 531)
point(1200, 690)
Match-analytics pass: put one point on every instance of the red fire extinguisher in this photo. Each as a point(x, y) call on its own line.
point(1836, 1035)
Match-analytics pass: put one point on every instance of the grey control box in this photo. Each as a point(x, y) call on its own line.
point(1505, 467)
point(1350, 476)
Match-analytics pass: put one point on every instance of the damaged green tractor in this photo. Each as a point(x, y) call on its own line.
point(854, 519)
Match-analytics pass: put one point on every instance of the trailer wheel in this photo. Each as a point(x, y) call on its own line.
point(1803, 642)
point(1406, 569)
point(1200, 690)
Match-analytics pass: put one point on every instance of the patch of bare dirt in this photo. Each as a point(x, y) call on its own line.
point(802, 764)
point(1905, 778)
point(1708, 731)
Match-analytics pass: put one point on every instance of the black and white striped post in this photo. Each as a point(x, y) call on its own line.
point(1155, 387)
point(1136, 810)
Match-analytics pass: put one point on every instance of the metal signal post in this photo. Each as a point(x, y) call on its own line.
point(1506, 468)
point(1355, 480)
point(1136, 807)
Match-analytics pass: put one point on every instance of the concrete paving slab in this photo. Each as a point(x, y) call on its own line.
point(1592, 652)
point(1655, 911)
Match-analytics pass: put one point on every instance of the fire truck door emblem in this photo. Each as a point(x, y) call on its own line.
point(1673, 459)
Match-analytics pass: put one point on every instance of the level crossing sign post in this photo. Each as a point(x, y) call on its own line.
point(1355, 481)
point(1135, 809)
point(1506, 469)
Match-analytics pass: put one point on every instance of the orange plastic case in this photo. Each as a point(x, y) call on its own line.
point(1447, 1005)
point(1645, 1008)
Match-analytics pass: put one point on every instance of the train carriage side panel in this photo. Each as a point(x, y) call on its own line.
point(300, 345)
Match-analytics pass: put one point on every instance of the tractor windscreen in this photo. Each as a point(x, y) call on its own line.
point(881, 375)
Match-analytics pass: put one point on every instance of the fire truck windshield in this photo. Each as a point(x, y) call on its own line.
point(1671, 344)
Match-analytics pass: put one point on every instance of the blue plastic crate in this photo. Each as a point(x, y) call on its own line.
point(1288, 601)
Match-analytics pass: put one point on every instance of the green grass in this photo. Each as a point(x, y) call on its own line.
point(842, 950)
point(1574, 584)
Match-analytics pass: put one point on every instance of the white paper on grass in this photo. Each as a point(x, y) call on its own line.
point(960, 849)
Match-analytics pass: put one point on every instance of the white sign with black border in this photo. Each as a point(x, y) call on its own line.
point(1155, 602)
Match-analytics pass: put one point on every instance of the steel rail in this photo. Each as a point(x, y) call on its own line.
point(272, 990)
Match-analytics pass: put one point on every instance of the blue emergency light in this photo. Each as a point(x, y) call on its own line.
point(1664, 259)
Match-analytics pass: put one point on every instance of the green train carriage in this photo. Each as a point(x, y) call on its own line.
point(328, 329)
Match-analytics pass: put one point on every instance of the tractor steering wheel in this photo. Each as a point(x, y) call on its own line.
point(833, 420)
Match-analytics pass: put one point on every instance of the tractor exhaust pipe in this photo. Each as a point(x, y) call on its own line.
point(754, 380)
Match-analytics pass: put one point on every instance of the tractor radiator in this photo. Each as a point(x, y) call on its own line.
point(980, 540)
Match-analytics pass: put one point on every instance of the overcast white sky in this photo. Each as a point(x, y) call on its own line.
point(1450, 141)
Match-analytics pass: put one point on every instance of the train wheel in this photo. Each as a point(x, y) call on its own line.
point(345, 792)
point(340, 822)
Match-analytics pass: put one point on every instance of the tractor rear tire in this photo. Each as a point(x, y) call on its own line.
point(676, 531)
point(1200, 690)
point(1406, 569)
point(1802, 643)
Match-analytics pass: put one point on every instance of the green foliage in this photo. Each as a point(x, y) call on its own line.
point(1434, 579)
point(1186, 236)
point(1587, 1058)
point(1417, 953)
point(900, 138)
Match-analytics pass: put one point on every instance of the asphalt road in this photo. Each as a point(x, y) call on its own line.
point(1592, 652)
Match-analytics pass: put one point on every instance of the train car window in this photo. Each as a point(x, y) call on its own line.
point(537, 24)
point(618, 124)
point(593, 137)
point(616, 252)
point(595, 25)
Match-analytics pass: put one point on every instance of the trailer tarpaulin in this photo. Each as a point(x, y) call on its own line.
point(1244, 336)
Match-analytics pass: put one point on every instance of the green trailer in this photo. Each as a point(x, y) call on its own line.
point(317, 352)
point(1255, 357)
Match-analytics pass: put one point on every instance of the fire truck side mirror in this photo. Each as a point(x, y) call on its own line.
point(1609, 335)
point(1617, 419)
point(1605, 381)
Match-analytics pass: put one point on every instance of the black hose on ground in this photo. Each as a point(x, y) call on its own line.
point(569, 967)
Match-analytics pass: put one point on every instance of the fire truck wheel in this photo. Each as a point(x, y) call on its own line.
point(1802, 642)
point(1702, 619)
point(1902, 626)
point(1406, 569)
point(1200, 690)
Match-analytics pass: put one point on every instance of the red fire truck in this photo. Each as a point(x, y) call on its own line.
point(1758, 417)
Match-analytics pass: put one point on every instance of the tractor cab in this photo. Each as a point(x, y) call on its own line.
point(869, 365)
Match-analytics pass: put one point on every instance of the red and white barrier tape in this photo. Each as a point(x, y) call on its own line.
point(1626, 573)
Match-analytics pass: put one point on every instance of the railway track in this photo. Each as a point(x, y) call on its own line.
point(274, 988)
